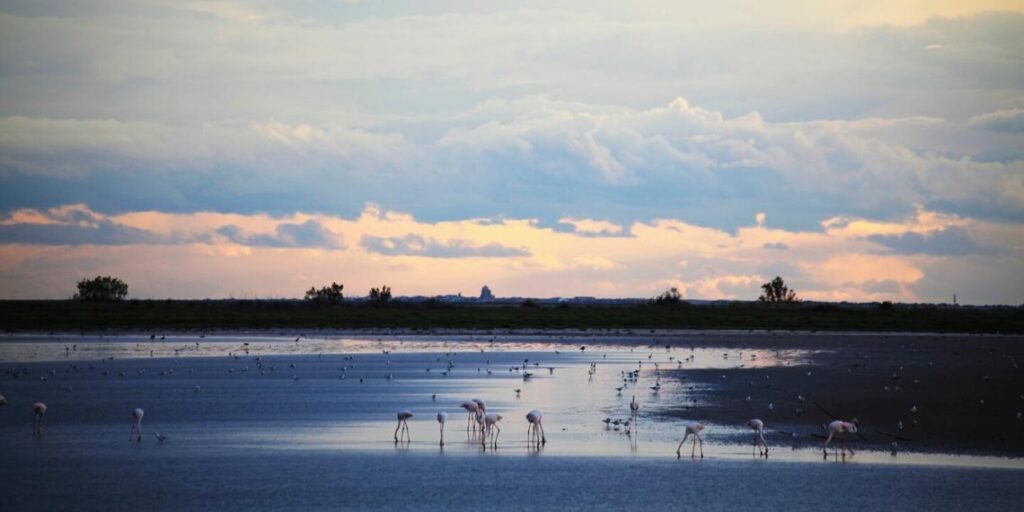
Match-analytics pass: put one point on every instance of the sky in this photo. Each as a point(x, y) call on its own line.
point(862, 150)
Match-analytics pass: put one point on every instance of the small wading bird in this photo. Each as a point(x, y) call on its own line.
point(843, 429)
point(38, 409)
point(536, 429)
point(491, 429)
point(441, 418)
point(403, 424)
point(136, 425)
point(693, 429)
point(160, 437)
point(758, 427)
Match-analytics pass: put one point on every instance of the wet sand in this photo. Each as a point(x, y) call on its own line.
point(967, 390)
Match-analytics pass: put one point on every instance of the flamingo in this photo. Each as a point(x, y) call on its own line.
point(693, 429)
point(441, 418)
point(471, 408)
point(3, 401)
point(843, 428)
point(403, 424)
point(534, 418)
point(758, 427)
point(39, 409)
point(491, 422)
point(136, 425)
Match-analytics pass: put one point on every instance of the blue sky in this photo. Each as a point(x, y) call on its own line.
point(906, 117)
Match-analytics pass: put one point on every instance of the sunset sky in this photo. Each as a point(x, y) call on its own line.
point(863, 150)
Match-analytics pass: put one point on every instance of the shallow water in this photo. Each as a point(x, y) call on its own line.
point(302, 406)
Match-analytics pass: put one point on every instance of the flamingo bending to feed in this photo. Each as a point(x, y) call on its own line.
point(136, 425)
point(758, 427)
point(491, 429)
point(843, 429)
point(39, 409)
point(403, 424)
point(441, 418)
point(471, 408)
point(693, 429)
point(535, 428)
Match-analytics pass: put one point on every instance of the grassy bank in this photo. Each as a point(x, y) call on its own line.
point(255, 314)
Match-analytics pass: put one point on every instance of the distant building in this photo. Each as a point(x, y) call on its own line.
point(485, 293)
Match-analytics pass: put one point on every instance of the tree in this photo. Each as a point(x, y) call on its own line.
point(380, 295)
point(331, 294)
point(670, 297)
point(101, 288)
point(776, 291)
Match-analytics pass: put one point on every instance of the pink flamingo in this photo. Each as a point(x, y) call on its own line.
point(491, 429)
point(843, 429)
point(471, 408)
point(758, 427)
point(693, 429)
point(403, 424)
point(39, 409)
point(441, 418)
point(136, 425)
point(535, 428)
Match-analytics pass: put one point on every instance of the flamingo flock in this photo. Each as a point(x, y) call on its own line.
point(485, 426)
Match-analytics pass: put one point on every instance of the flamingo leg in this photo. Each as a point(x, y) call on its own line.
point(442, 434)
point(497, 431)
point(680, 447)
point(543, 439)
point(701, 445)
point(397, 429)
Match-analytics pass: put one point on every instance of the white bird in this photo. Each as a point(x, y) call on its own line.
point(491, 429)
point(136, 425)
point(634, 406)
point(693, 429)
point(471, 408)
point(160, 437)
point(441, 418)
point(535, 428)
point(843, 429)
point(403, 424)
point(758, 427)
point(39, 409)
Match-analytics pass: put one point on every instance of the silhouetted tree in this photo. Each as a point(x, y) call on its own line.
point(776, 291)
point(331, 294)
point(670, 297)
point(101, 288)
point(380, 295)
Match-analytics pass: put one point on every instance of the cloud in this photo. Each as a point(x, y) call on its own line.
point(1009, 120)
point(417, 245)
point(212, 254)
point(307, 234)
point(949, 241)
point(775, 245)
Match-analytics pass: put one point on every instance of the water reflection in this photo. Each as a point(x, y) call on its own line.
point(342, 394)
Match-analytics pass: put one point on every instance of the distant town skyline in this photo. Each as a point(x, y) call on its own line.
point(864, 151)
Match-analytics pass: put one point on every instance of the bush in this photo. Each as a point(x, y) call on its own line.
point(670, 297)
point(380, 295)
point(101, 288)
point(331, 294)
